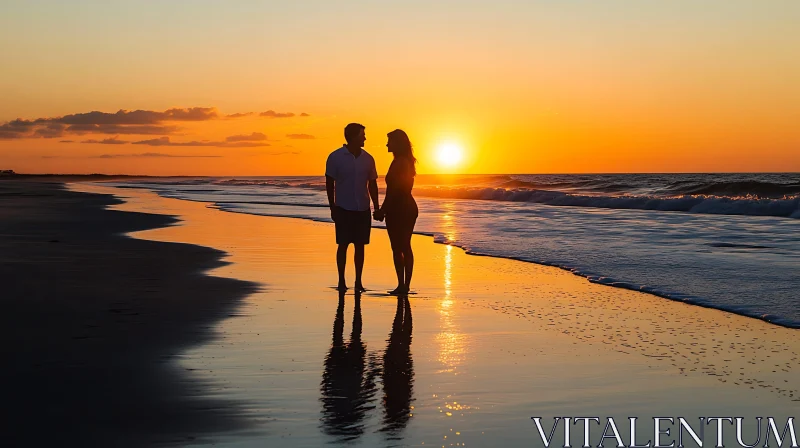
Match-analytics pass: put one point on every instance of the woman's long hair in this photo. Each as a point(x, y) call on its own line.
point(405, 150)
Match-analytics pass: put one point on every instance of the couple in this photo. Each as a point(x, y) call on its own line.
point(351, 180)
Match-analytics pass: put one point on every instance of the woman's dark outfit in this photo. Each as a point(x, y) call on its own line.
point(399, 206)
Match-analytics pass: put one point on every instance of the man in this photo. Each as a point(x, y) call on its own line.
point(351, 180)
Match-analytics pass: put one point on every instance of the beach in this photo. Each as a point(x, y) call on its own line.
point(94, 319)
point(483, 345)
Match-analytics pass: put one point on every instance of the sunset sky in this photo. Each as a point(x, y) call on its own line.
point(266, 87)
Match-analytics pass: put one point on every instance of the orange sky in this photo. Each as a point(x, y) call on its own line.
point(523, 88)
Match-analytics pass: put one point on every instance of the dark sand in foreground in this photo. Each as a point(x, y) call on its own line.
point(92, 318)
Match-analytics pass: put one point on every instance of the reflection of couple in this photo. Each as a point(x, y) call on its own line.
point(349, 377)
point(351, 180)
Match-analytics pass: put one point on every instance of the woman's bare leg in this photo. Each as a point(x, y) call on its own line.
point(408, 261)
point(399, 263)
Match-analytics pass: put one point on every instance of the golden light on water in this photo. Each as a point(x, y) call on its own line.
point(452, 342)
point(448, 226)
point(448, 272)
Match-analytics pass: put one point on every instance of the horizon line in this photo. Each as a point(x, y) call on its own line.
point(422, 174)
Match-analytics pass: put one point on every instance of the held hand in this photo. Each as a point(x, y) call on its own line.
point(334, 214)
point(378, 215)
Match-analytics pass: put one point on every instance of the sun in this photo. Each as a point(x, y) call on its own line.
point(449, 154)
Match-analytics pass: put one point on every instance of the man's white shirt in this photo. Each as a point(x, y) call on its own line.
point(352, 175)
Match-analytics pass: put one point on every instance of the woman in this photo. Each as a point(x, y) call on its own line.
point(399, 208)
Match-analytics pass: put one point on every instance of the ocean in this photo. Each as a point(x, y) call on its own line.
point(725, 241)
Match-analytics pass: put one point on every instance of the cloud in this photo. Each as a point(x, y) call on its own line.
point(142, 122)
point(140, 117)
point(254, 137)
point(241, 144)
point(135, 122)
point(20, 124)
point(165, 141)
point(300, 136)
point(8, 134)
point(107, 141)
point(67, 141)
point(148, 154)
point(51, 130)
point(18, 128)
point(191, 114)
point(146, 129)
point(273, 114)
point(31, 129)
point(140, 155)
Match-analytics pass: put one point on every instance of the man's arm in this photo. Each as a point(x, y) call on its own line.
point(373, 193)
point(372, 186)
point(330, 187)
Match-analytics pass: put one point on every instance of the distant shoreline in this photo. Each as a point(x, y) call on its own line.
point(71, 177)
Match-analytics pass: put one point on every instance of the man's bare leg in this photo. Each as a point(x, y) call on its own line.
point(359, 260)
point(341, 261)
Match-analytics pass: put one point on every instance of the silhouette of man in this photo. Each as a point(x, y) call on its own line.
point(348, 379)
point(351, 180)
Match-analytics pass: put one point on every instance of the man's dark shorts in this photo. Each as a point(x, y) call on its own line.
point(352, 227)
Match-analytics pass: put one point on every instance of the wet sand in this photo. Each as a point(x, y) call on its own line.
point(482, 346)
point(93, 320)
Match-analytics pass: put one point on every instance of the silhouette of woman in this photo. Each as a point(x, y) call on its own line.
point(348, 382)
point(399, 208)
point(398, 372)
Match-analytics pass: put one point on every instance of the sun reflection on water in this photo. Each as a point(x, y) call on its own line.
point(452, 343)
point(448, 223)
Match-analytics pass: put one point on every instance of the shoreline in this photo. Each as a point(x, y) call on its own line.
point(613, 290)
point(494, 342)
point(592, 278)
point(97, 319)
